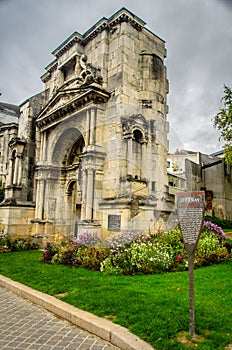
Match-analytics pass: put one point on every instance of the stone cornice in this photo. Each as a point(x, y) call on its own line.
point(49, 69)
point(9, 126)
point(69, 42)
point(123, 15)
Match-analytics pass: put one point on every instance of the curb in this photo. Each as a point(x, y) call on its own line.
point(116, 335)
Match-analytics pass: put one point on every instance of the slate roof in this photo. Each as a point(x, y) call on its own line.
point(9, 113)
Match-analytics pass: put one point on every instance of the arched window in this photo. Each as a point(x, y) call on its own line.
point(13, 160)
point(137, 135)
point(137, 154)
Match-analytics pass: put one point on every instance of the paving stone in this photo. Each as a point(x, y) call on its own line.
point(26, 326)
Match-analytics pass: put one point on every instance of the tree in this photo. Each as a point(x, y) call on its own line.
point(223, 122)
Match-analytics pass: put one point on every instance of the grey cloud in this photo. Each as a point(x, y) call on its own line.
point(197, 34)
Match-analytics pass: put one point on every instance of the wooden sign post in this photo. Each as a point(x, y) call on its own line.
point(190, 210)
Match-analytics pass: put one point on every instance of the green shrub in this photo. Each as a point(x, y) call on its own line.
point(48, 253)
point(210, 250)
point(224, 224)
point(20, 244)
point(5, 242)
point(228, 245)
point(64, 255)
point(90, 257)
point(174, 242)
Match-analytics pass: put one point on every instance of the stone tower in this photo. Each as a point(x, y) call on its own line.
point(100, 135)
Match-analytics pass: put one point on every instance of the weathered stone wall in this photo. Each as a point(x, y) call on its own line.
point(218, 179)
point(95, 141)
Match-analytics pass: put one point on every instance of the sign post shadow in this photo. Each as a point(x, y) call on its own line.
point(190, 210)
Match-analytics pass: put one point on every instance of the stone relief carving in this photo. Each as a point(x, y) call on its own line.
point(86, 74)
point(132, 123)
point(159, 98)
point(58, 80)
point(89, 73)
point(83, 74)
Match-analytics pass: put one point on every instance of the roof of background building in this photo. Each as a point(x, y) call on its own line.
point(8, 113)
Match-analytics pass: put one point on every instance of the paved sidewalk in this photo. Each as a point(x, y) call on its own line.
point(24, 325)
point(52, 334)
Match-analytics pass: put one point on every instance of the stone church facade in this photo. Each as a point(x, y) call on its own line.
point(90, 153)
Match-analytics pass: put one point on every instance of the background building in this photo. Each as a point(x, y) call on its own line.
point(194, 171)
point(9, 115)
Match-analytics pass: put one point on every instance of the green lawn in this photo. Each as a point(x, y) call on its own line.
point(154, 307)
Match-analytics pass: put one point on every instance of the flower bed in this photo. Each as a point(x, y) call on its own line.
point(135, 253)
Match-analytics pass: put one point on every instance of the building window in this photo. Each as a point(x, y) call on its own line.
point(152, 126)
point(153, 186)
point(157, 68)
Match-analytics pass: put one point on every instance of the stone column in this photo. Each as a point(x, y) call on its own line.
point(87, 126)
point(143, 164)
point(37, 200)
point(89, 194)
point(44, 153)
point(41, 146)
point(10, 175)
point(16, 170)
point(129, 156)
point(19, 179)
point(83, 205)
point(40, 199)
point(92, 126)
point(38, 144)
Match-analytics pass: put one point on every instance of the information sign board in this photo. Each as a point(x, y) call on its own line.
point(190, 210)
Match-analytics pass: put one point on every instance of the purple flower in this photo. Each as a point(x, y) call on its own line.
point(212, 227)
point(87, 239)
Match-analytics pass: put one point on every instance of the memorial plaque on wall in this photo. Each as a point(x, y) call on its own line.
point(114, 223)
point(190, 210)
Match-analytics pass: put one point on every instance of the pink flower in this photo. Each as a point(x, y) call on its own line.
point(179, 258)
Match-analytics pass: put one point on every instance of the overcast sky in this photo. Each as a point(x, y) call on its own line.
point(198, 35)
